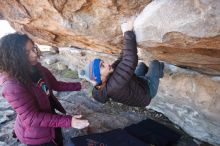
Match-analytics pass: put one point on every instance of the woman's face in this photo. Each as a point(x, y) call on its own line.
point(31, 52)
point(105, 70)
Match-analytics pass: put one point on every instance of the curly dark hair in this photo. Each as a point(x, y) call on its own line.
point(13, 58)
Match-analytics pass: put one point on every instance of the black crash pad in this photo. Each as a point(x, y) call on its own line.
point(117, 137)
point(143, 133)
point(152, 132)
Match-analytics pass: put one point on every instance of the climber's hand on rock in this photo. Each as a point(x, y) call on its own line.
point(79, 123)
point(128, 26)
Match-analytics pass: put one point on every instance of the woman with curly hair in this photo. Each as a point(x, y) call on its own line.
point(28, 86)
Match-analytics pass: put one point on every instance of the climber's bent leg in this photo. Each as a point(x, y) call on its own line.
point(153, 75)
point(141, 69)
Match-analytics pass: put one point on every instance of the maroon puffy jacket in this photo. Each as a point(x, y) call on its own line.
point(35, 123)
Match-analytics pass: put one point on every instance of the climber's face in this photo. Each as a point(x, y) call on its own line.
point(32, 54)
point(105, 70)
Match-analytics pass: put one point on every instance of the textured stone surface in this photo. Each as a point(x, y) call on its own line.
point(185, 33)
point(83, 23)
point(191, 101)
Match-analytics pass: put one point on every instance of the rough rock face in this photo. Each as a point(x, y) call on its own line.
point(83, 23)
point(185, 32)
point(191, 101)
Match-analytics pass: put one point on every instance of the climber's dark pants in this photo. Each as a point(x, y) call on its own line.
point(150, 75)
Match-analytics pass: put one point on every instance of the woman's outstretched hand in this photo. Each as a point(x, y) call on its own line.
point(79, 123)
point(128, 26)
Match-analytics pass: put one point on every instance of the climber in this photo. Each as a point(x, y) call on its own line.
point(27, 86)
point(124, 81)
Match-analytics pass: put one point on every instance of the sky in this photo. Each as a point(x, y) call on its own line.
point(5, 28)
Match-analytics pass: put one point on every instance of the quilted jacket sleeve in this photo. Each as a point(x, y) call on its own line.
point(27, 109)
point(125, 69)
